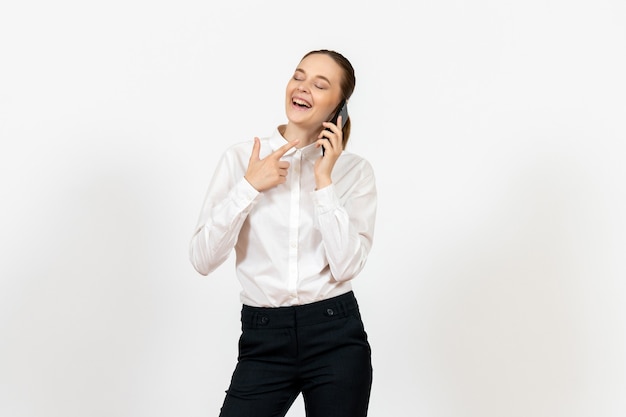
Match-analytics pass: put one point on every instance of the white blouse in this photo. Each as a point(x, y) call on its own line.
point(293, 244)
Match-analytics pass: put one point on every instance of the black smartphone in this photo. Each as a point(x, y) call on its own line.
point(342, 110)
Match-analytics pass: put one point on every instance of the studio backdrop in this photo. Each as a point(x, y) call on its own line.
point(496, 286)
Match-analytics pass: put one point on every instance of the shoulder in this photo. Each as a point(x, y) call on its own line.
point(244, 148)
point(352, 161)
point(234, 158)
point(239, 148)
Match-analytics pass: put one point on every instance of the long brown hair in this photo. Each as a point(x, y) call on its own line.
point(348, 82)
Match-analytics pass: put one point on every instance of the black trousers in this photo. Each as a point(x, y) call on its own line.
point(318, 349)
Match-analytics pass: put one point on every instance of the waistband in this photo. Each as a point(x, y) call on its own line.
point(301, 315)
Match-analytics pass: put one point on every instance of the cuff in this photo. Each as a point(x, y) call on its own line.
point(244, 194)
point(326, 199)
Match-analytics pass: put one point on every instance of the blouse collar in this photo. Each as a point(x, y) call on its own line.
point(309, 152)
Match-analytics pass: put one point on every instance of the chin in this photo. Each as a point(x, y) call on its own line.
point(298, 117)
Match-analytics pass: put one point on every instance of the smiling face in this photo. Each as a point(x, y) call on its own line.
point(314, 91)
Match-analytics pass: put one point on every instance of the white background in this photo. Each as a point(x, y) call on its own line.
point(497, 282)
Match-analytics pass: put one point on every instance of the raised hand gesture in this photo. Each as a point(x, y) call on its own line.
point(270, 171)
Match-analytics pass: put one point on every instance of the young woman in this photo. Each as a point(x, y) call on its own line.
point(302, 225)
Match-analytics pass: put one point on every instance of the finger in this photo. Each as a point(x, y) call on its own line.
point(334, 128)
point(278, 153)
point(328, 127)
point(256, 149)
point(333, 137)
point(283, 164)
point(330, 133)
point(324, 143)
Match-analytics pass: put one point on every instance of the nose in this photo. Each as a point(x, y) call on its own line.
point(302, 87)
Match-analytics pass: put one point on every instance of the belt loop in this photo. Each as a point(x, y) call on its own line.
point(338, 308)
point(348, 304)
point(344, 307)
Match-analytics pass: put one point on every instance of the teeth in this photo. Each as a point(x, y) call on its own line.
point(301, 102)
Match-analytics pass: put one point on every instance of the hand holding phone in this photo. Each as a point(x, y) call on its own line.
point(342, 110)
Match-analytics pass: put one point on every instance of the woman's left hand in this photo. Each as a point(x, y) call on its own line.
point(332, 141)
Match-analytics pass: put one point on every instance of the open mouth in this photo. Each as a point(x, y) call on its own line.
point(301, 103)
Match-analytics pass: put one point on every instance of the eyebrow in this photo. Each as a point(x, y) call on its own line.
point(317, 76)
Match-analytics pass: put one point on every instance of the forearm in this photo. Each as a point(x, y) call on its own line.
point(346, 249)
point(218, 228)
point(347, 231)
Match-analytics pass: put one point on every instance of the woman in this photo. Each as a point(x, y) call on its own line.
point(302, 225)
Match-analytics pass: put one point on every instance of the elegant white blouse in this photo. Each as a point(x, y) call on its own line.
point(293, 244)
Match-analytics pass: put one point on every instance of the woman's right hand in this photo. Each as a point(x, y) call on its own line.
point(270, 171)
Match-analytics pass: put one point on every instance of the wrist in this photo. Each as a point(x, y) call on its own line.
point(245, 177)
point(322, 182)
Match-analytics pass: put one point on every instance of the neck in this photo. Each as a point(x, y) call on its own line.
point(306, 136)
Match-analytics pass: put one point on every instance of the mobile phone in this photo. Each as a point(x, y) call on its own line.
point(342, 110)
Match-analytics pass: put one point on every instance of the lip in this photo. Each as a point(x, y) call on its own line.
point(302, 100)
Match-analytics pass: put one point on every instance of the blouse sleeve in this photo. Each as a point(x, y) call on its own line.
point(347, 224)
point(227, 203)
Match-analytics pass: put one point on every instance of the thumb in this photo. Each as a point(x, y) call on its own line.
point(256, 149)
